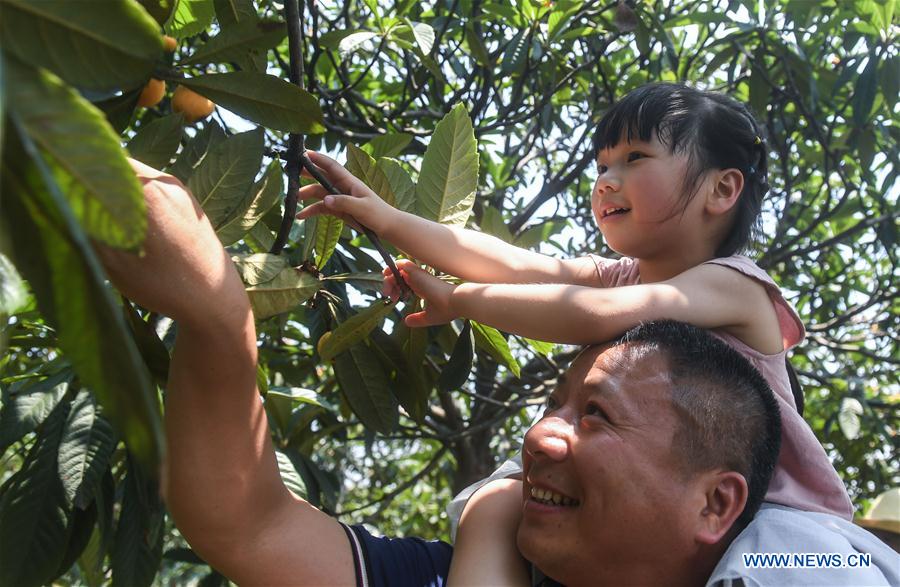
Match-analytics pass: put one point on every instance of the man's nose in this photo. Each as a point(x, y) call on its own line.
point(549, 438)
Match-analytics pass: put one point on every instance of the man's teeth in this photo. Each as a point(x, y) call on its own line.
point(549, 497)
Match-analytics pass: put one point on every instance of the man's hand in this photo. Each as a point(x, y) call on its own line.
point(183, 271)
point(357, 203)
point(436, 293)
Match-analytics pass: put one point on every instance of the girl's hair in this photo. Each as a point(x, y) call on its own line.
point(714, 130)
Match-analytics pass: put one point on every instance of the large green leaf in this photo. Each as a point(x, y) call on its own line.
point(223, 178)
point(87, 159)
point(195, 150)
point(401, 183)
point(353, 329)
point(56, 258)
point(160, 10)
point(490, 340)
point(360, 164)
point(265, 194)
point(389, 145)
point(85, 449)
point(97, 45)
point(258, 268)
point(33, 516)
point(327, 234)
point(366, 388)
point(235, 43)
point(137, 550)
point(26, 407)
point(232, 13)
point(289, 474)
point(284, 292)
point(191, 17)
point(264, 99)
point(459, 365)
point(13, 294)
point(156, 142)
point(446, 189)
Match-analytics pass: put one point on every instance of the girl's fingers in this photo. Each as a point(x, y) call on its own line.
point(312, 210)
point(312, 191)
point(418, 320)
point(331, 168)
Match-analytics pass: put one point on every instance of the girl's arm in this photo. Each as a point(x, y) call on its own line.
point(485, 552)
point(467, 254)
point(707, 296)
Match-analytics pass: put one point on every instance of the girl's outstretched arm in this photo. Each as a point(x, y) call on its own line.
point(485, 552)
point(467, 254)
point(706, 296)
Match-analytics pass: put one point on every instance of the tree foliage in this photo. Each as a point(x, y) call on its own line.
point(469, 112)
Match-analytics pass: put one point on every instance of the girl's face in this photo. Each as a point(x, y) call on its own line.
point(637, 199)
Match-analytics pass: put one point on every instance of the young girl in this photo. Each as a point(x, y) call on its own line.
point(681, 177)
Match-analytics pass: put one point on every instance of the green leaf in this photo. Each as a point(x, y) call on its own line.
point(231, 13)
point(195, 150)
point(360, 164)
point(221, 181)
point(85, 450)
point(353, 41)
point(235, 43)
point(401, 183)
point(283, 293)
point(80, 530)
point(539, 346)
point(115, 45)
point(864, 96)
point(156, 143)
point(363, 281)
point(446, 189)
point(327, 234)
point(152, 349)
point(87, 160)
point(25, 408)
point(191, 17)
point(259, 268)
point(33, 517)
point(119, 110)
point(265, 194)
point(137, 549)
point(13, 294)
point(490, 340)
point(292, 479)
point(56, 258)
point(353, 330)
point(514, 55)
point(459, 365)
point(389, 145)
point(262, 98)
point(365, 385)
point(492, 222)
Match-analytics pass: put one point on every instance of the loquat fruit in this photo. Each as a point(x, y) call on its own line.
point(194, 106)
point(169, 43)
point(152, 93)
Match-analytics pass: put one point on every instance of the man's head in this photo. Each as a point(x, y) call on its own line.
point(652, 454)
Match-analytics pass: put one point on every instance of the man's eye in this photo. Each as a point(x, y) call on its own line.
point(595, 410)
point(635, 155)
point(550, 403)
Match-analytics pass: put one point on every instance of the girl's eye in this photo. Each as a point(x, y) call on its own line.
point(635, 155)
point(601, 169)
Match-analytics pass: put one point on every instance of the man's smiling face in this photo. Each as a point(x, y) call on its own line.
point(603, 489)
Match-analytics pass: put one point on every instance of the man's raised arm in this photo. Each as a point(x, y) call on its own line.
point(222, 483)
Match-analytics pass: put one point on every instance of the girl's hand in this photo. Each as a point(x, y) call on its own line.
point(357, 203)
point(436, 293)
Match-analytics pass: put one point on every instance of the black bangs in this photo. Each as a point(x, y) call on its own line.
point(659, 108)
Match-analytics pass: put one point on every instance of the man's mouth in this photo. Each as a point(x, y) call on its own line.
point(614, 211)
point(547, 497)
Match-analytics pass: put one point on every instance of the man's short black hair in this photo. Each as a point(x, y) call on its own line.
point(728, 415)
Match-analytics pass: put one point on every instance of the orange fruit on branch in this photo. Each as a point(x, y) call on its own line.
point(169, 43)
point(152, 93)
point(194, 106)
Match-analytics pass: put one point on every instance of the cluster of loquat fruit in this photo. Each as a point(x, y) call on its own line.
point(192, 105)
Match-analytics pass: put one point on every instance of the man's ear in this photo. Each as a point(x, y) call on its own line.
point(726, 188)
point(726, 496)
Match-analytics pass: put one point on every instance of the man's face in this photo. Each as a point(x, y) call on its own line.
point(602, 487)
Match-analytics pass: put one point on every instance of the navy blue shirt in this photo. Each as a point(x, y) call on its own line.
point(398, 562)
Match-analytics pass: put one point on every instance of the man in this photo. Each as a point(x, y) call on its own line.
point(652, 455)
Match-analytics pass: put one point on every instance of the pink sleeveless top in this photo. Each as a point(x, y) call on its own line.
point(804, 477)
